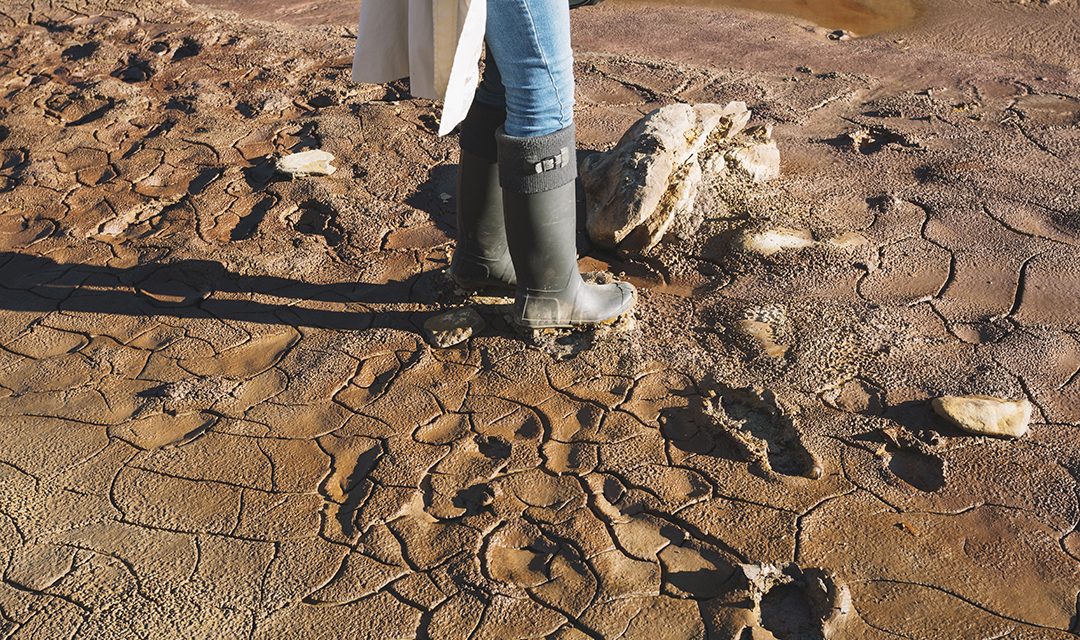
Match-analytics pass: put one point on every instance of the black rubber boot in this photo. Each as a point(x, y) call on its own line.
point(481, 258)
point(537, 177)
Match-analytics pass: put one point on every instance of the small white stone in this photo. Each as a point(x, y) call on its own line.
point(307, 163)
point(985, 415)
point(767, 243)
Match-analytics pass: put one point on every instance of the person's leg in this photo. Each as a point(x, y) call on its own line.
point(538, 167)
point(491, 91)
point(481, 257)
point(531, 41)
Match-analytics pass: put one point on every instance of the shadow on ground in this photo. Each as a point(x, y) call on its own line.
point(198, 289)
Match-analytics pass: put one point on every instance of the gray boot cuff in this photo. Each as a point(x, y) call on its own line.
point(533, 165)
point(478, 130)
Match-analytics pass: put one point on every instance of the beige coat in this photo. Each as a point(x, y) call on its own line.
point(437, 43)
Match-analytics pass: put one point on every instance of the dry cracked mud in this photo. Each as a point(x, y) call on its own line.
point(220, 418)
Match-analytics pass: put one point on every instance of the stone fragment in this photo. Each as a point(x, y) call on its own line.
point(650, 180)
point(307, 163)
point(869, 140)
point(772, 241)
point(985, 415)
point(453, 327)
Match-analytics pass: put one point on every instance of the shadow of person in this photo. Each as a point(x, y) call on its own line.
point(205, 289)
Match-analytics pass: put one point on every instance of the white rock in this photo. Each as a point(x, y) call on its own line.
point(767, 243)
point(985, 415)
point(650, 180)
point(307, 163)
point(759, 162)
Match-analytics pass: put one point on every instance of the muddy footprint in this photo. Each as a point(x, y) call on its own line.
point(796, 604)
point(910, 459)
point(765, 432)
point(317, 219)
point(249, 224)
point(785, 603)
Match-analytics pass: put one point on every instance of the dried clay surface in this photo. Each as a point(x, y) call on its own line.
point(221, 416)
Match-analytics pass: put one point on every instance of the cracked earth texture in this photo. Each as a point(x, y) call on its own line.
point(219, 417)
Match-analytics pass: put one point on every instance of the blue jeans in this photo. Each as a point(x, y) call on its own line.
point(529, 68)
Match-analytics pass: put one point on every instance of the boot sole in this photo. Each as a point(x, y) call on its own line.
point(583, 326)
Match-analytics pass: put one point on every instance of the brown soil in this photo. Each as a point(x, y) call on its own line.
point(219, 417)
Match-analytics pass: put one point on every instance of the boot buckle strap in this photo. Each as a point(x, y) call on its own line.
point(554, 162)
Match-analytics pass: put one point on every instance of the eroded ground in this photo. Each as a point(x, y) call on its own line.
point(220, 418)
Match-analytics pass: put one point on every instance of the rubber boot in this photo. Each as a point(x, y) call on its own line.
point(481, 258)
point(537, 177)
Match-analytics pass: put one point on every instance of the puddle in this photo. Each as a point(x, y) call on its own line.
point(860, 17)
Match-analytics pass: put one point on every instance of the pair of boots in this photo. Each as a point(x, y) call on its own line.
point(517, 226)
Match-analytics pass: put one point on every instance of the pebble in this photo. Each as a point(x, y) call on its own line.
point(985, 415)
point(767, 243)
point(307, 163)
